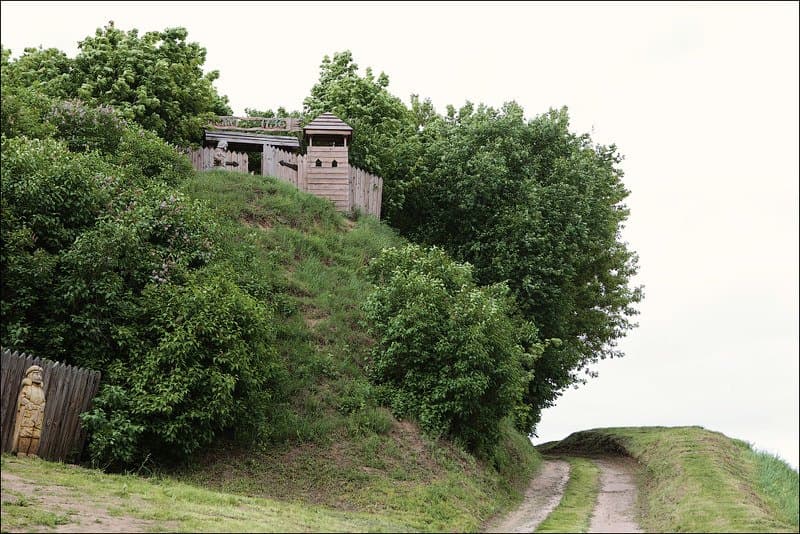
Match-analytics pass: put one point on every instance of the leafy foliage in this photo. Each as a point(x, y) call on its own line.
point(155, 79)
point(201, 362)
point(86, 128)
point(49, 197)
point(47, 71)
point(448, 352)
point(533, 204)
point(105, 265)
point(24, 112)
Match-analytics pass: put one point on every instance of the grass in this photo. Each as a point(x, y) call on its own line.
point(696, 480)
point(575, 509)
point(331, 442)
point(167, 503)
point(778, 482)
point(21, 512)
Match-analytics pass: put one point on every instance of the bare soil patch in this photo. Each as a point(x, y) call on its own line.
point(82, 514)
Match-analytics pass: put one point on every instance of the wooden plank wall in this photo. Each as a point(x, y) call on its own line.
point(271, 166)
point(366, 191)
point(203, 160)
point(68, 392)
point(346, 186)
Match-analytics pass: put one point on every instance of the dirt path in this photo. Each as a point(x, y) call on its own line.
point(72, 512)
point(541, 497)
point(614, 510)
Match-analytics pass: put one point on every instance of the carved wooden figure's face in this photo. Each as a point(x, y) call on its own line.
point(36, 376)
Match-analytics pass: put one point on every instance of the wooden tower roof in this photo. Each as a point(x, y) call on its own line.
point(327, 124)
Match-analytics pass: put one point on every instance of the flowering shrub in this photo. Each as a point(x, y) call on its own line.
point(86, 128)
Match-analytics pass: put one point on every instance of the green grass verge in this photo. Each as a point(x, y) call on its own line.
point(575, 509)
point(695, 480)
point(178, 506)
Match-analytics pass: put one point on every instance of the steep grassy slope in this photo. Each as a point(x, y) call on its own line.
point(331, 442)
point(695, 480)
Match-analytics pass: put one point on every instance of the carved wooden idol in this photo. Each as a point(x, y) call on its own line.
point(30, 414)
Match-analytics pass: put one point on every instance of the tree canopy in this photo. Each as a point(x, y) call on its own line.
point(533, 204)
point(155, 79)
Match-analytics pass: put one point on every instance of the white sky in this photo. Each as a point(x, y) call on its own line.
point(702, 99)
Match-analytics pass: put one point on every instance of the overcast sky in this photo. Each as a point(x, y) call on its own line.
point(702, 99)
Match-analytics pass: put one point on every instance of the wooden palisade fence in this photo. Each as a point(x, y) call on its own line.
point(358, 190)
point(203, 160)
point(68, 392)
point(363, 189)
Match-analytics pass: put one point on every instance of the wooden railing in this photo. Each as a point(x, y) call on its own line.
point(258, 124)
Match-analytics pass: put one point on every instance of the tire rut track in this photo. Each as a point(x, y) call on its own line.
point(542, 496)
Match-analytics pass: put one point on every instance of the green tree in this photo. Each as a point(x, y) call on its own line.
point(156, 79)
point(448, 352)
point(47, 71)
point(384, 134)
point(530, 203)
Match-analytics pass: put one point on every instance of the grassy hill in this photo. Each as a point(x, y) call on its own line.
point(695, 480)
point(333, 458)
point(331, 443)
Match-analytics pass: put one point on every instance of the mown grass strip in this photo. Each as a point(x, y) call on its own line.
point(575, 509)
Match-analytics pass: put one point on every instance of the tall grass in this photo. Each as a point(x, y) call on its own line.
point(780, 484)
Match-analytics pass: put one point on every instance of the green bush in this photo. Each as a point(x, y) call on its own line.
point(106, 266)
point(203, 363)
point(50, 196)
point(114, 437)
point(157, 237)
point(448, 352)
point(53, 192)
point(148, 158)
point(23, 113)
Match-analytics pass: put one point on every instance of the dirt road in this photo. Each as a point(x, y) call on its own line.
point(614, 510)
point(616, 501)
point(541, 497)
